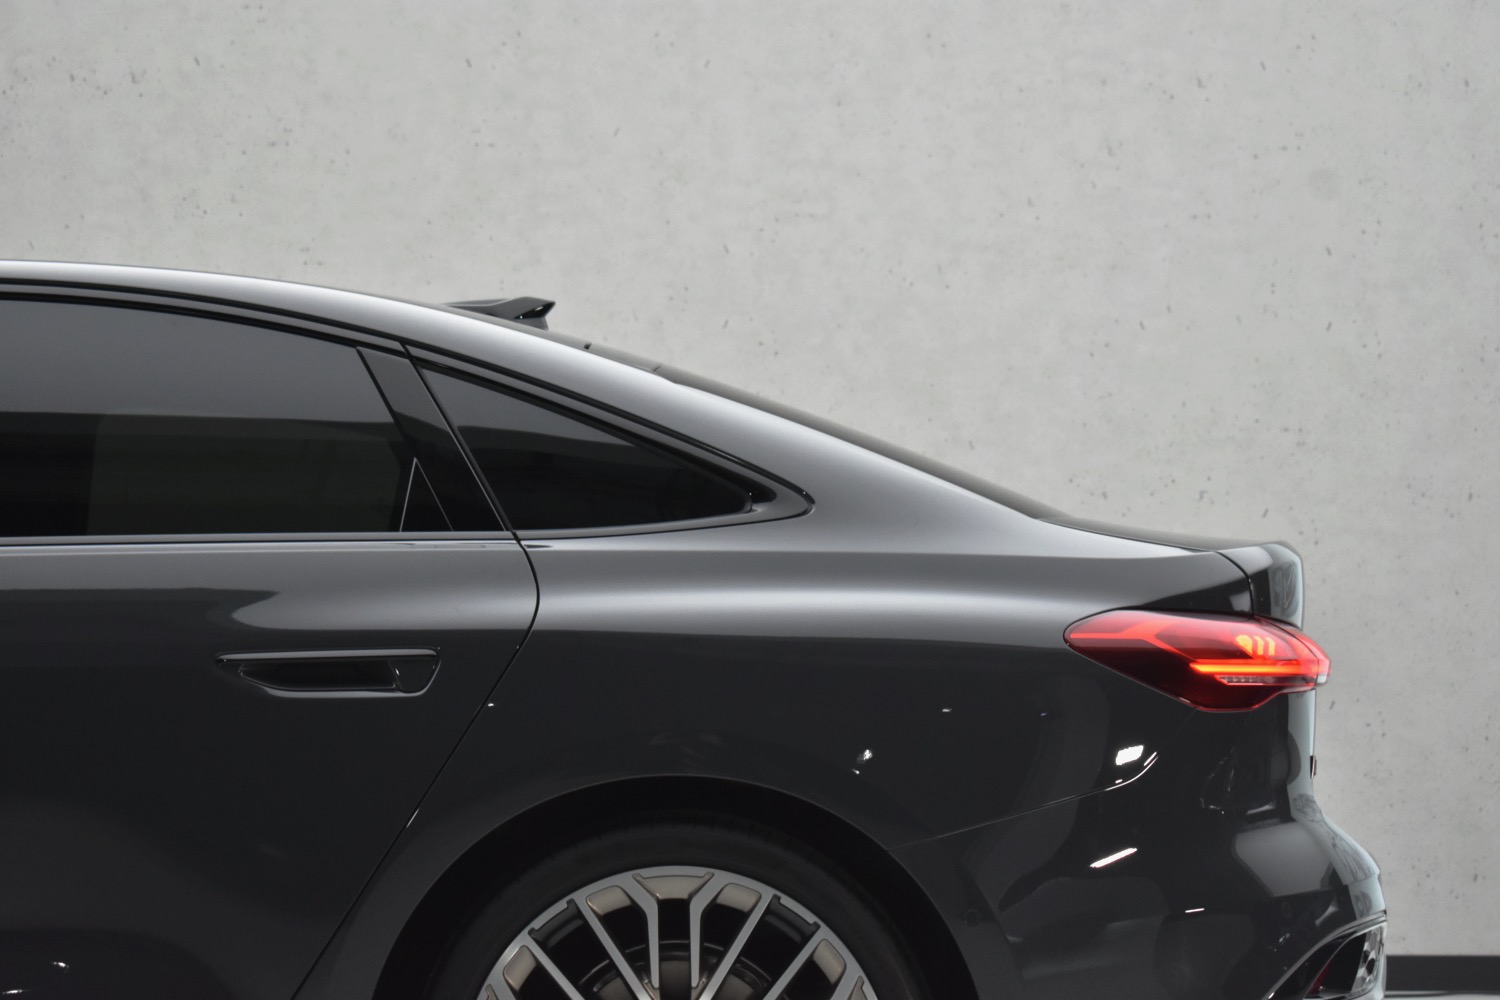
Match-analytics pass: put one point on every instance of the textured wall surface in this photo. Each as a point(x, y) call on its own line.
point(1201, 266)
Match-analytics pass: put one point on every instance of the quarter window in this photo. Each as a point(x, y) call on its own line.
point(117, 421)
point(554, 470)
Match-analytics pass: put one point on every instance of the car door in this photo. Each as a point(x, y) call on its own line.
point(239, 635)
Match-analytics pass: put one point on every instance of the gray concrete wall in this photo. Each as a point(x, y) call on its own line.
point(1227, 268)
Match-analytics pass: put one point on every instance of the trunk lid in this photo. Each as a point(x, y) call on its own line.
point(1273, 569)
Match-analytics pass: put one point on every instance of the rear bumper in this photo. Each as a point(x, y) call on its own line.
point(1234, 919)
point(1215, 875)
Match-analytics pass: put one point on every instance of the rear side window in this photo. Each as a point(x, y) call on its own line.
point(119, 421)
point(554, 470)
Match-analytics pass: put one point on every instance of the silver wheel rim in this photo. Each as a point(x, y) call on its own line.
point(678, 933)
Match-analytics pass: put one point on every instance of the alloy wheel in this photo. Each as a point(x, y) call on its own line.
point(676, 933)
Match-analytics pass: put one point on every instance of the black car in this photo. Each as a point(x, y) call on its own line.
point(356, 648)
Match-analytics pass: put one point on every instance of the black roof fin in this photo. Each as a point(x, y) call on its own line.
point(525, 309)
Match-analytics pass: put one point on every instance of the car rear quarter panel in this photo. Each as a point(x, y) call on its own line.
point(910, 693)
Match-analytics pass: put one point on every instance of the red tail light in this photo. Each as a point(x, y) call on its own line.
point(1216, 662)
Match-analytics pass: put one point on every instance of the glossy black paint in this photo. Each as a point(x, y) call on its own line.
point(165, 798)
point(873, 656)
point(1236, 875)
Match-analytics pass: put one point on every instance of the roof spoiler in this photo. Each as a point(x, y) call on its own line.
point(527, 310)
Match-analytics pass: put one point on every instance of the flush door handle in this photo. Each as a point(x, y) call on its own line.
point(336, 672)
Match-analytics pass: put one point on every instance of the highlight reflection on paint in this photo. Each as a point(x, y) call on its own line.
point(1111, 859)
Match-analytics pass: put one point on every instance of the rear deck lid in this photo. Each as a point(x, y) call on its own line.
point(1273, 568)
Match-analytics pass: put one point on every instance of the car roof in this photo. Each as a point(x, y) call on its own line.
point(889, 492)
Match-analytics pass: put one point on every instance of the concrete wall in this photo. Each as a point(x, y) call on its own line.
point(1226, 268)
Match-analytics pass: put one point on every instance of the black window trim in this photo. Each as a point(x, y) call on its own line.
point(446, 463)
point(783, 499)
point(252, 538)
point(361, 341)
point(195, 305)
point(496, 534)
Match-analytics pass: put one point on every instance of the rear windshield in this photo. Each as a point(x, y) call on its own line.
point(968, 481)
point(939, 470)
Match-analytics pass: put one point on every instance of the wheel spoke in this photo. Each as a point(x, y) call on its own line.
point(701, 899)
point(498, 987)
point(732, 953)
point(545, 961)
point(651, 909)
point(795, 967)
point(849, 986)
point(622, 966)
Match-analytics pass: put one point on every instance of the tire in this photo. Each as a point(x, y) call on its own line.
point(790, 920)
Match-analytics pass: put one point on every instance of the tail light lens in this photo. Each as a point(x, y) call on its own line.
point(1216, 662)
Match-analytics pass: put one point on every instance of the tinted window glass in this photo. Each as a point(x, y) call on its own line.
point(121, 421)
point(552, 470)
point(957, 477)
